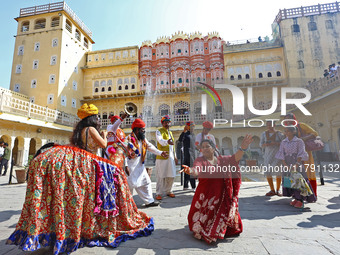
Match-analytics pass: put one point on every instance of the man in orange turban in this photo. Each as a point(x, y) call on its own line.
point(207, 126)
point(139, 178)
point(165, 167)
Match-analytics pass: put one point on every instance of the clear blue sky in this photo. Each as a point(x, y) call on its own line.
point(119, 23)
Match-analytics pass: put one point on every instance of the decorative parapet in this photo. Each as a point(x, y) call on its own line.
point(196, 35)
point(163, 39)
point(147, 43)
point(213, 34)
point(307, 11)
point(11, 102)
point(179, 35)
point(54, 7)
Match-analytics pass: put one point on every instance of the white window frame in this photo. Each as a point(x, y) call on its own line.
point(55, 44)
point(74, 85)
point(18, 68)
point(74, 103)
point(63, 100)
point(35, 64)
point(17, 87)
point(37, 46)
point(33, 83)
point(21, 50)
point(53, 60)
point(50, 99)
point(51, 79)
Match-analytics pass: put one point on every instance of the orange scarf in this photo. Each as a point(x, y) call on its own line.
point(133, 139)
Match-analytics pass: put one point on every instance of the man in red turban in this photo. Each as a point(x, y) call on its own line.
point(207, 126)
point(139, 178)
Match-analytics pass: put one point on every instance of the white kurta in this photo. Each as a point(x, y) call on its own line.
point(138, 175)
point(165, 167)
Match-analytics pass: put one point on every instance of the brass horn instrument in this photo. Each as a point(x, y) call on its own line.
point(130, 109)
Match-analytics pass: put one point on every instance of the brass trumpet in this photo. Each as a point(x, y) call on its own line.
point(130, 109)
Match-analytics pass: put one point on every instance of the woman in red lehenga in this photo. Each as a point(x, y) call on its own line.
point(75, 198)
point(214, 209)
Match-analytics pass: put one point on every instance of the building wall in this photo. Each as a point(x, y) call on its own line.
point(308, 52)
point(111, 73)
point(50, 59)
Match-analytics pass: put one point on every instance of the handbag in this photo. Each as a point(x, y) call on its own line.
point(287, 182)
point(314, 144)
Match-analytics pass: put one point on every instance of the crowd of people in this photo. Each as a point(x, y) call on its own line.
point(75, 198)
point(332, 70)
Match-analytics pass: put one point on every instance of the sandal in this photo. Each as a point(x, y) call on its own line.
point(171, 195)
point(298, 204)
point(271, 193)
point(278, 193)
point(293, 202)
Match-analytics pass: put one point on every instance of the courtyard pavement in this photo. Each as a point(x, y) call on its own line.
point(271, 226)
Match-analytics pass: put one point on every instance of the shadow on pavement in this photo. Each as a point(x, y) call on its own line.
point(331, 220)
point(6, 215)
point(262, 207)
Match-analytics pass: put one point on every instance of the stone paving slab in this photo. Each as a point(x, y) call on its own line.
point(271, 226)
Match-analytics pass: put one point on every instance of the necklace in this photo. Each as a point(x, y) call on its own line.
point(213, 161)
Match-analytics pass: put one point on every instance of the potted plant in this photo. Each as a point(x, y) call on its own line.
point(21, 173)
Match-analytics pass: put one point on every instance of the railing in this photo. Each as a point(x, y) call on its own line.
point(54, 7)
point(24, 107)
point(307, 11)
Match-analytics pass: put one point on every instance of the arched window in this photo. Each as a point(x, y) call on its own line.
point(173, 82)
point(126, 87)
point(120, 81)
point(179, 80)
point(55, 22)
point(86, 43)
point(247, 76)
point(278, 73)
point(198, 78)
point(231, 77)
point(133, 80)
point(96, 83)
point(300, 64)
point(133, 86)
point(239, 77)
point(120, 88)
point(269, 74)
point(25, 26)
point(103, 89)
point(40, 23)
point(109, 89)
point(77, 35)
point(187, 80)
point(96, 90)
point(109, 82)
point(68, 26)
point(260, 75)
point(312, 26)
point(103, 83)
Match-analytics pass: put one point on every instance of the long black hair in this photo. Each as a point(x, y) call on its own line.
point(216, 151)
point(90, 121)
